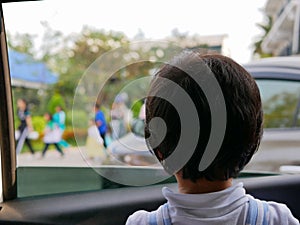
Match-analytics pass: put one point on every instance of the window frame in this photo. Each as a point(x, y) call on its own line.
point(92, 207)
point(7, 138)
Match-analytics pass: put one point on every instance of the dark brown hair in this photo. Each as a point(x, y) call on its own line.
point(244, 115)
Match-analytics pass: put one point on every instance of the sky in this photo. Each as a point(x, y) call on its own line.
point(155, 18)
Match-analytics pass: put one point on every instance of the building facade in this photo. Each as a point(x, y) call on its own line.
point(284, 37)
point(209, 43)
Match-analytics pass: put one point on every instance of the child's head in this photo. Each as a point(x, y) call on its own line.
point(91, 122)
point(47, 116)
point(22, 103)
point(58, 108)
point(96, 107)
point(244, 115)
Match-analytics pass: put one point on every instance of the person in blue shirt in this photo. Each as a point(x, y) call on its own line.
point(101, 123)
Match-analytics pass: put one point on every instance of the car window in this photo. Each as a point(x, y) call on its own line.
point(65, 59)
point(280, 103)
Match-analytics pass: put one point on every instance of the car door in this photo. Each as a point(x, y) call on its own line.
point(280, 143)
point(278, 81)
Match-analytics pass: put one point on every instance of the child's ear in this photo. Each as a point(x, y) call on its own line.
point(159, 154)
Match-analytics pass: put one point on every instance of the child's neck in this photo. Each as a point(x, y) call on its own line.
point(201, 186)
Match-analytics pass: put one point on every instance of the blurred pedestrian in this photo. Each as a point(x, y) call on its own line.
point(25, 126)
point(52, 134)
point(121, 116)
point(59, 117)
point(94, 143)
point(100, 122)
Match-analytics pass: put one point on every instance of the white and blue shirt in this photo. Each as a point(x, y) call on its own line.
point(227, 207)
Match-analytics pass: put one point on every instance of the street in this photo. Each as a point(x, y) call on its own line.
point(73, 158)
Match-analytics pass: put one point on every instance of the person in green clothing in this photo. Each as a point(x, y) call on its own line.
point(59, 117)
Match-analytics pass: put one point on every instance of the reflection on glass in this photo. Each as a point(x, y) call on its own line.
point(52, 50)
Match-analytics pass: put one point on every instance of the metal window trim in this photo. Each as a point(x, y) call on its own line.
point(295, 43)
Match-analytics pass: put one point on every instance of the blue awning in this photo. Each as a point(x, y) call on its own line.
point(28, 72)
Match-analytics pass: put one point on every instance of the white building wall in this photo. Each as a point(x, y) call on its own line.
point(283, 38)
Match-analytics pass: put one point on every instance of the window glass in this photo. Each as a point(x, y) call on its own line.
point(280, 103)
point(66, 57)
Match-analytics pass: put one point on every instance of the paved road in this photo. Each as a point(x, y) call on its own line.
point(268, 160)
point(74, 157)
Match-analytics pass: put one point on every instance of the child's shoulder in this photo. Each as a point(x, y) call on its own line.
point(139, 217)
point(276, 213)
point(159, 216)
point(280, 214)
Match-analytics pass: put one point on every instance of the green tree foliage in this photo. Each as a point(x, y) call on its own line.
point(21, 43)
point(265, 27)
point(56, 100)
point(279, 110)
point(70, 56)
point(38, 123)
point(87, 46)
point(136, 107)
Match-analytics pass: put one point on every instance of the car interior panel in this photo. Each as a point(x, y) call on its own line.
point(95, 207)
